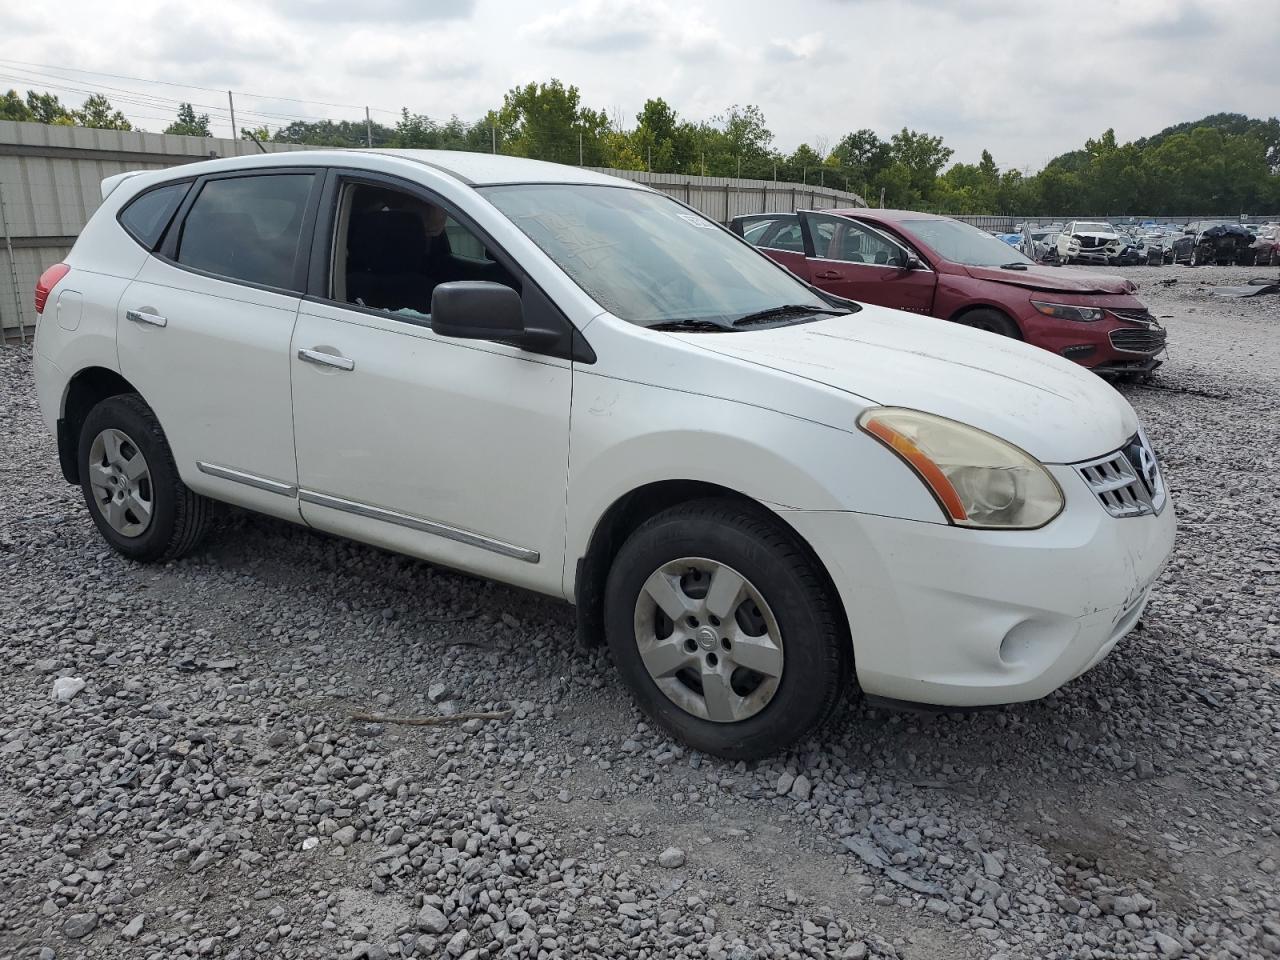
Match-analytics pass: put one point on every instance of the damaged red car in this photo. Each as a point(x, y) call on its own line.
point(948, 269)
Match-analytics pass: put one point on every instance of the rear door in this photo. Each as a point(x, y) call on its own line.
point(780, 236)
point(203, 332)
point(853, 260)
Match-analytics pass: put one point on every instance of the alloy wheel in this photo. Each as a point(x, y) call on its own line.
point(121, 482)
point(708, 640)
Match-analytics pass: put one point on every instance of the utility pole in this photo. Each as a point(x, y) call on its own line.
point(882, 198)
point(235, 132)
point(704, 163)
point(650, 164)
point(368, 128)
point(775, 171)
point(493, 130)
point(739, 166)
point(579, 148)
point(822, 177)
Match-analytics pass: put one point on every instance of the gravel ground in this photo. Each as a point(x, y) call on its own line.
point(209, 793)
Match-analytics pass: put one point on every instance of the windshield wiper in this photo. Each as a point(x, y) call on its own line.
point(1013, 266)
point(691, 325)
point(786, 310)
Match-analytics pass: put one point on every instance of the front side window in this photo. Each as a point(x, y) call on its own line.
point(247, 228)
point(392, 249)
point(146, 216)
point(836, 238)
point(647, 259)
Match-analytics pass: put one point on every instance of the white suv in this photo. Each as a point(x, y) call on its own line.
point(752, 490)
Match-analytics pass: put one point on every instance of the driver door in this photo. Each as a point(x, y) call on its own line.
point(852, 260)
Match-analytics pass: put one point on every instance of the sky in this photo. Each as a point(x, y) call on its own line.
point(1025, 80)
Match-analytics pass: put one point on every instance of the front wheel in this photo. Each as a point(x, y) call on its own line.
point(724, 631)
point(993, 321)
point(131, 484)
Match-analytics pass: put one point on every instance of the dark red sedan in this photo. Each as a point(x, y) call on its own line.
point(949, 269)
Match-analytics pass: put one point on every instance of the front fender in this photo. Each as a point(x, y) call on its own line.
point(627, 435)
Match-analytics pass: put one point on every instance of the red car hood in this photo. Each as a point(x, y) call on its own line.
point(1062, 281)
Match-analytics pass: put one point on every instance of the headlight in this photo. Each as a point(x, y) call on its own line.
point(978, 479)
point(1066, 311)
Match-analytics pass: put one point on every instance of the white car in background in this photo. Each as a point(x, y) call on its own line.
point(567, 382)
point(1089, 241)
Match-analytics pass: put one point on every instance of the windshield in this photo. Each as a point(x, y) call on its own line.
point(961, 243)
point(647, 259)
point(1095, 228)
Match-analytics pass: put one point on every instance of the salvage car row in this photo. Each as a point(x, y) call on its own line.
point(1220, 242)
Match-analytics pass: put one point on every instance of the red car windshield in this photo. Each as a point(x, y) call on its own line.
point(962, 243)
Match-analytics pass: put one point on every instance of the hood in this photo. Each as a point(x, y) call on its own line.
point(1056, 410)
point(1060, 280)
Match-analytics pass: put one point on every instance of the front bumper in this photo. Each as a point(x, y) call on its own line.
point(1110, 345)
point(955, 617)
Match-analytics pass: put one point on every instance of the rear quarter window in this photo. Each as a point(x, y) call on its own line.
point(147, 215)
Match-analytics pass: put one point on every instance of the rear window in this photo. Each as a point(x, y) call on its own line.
point(146, 216)
point(247, 228)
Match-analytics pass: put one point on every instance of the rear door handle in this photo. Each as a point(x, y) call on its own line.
point(146, 316)
point(326, 359)
point(829, 275)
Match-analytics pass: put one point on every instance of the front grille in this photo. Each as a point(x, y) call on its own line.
point(1128, 482)
point(1092, 241)
point(1137, 316)
point(1144, 340)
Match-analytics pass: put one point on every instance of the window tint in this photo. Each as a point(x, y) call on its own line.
point(147, 215)
point(392, 249)
point(247, 228)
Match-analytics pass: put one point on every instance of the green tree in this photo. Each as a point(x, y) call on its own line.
point(97, 112)
point(13, 107)
point(189, 124)
point(47, 108)
point(547, 121)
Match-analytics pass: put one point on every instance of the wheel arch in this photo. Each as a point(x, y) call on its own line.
point(633, 508)
point(960, 313)
point(89, 387)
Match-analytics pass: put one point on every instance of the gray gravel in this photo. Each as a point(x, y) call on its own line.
point(207, 793)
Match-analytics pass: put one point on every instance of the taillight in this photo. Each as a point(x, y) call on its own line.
point(48, 280)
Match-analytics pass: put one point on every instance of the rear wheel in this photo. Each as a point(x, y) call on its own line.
point(724, 631)
point(993, 321)
point(131, 484)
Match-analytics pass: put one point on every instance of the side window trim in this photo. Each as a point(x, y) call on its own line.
point(571, 346)
point(164, 231)
point(168, 248)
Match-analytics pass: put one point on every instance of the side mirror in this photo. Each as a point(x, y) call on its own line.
point(913, 263)
point(480, 310)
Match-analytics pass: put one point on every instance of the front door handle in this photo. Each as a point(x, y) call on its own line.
point(829, 275)
point(326, 359)
point(146, 316)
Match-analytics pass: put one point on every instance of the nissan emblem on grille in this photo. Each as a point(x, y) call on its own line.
point(1127, 483)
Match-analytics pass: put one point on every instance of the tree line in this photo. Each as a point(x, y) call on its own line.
point(1223, 164)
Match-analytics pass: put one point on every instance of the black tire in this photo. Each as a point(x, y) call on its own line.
point(993, 321)
point(817, 649)
point(178, 516)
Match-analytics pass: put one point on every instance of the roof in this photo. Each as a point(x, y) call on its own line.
point(876, 213)
point(475, 169)
point(482, 169)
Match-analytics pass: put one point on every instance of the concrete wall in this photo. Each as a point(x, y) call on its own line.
point(50, 176)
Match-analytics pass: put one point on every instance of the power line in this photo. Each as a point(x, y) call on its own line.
point(192, 86)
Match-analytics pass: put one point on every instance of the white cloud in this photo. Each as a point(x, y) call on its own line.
point(1027, 83)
